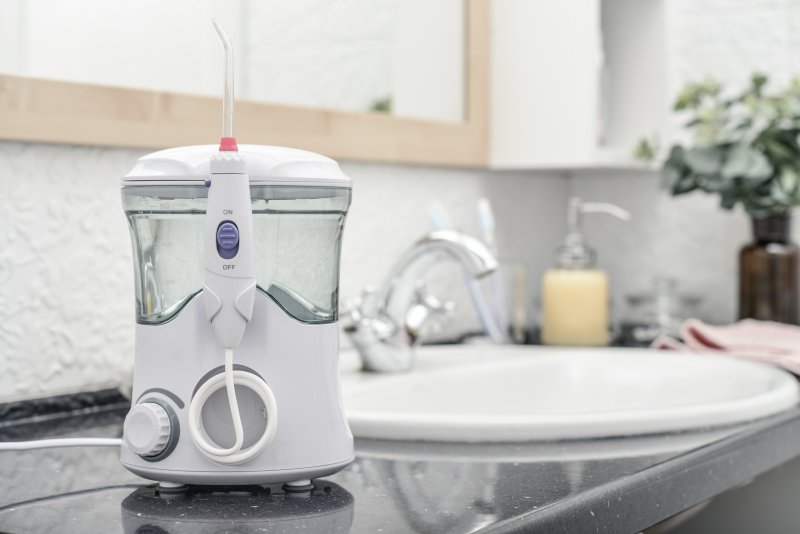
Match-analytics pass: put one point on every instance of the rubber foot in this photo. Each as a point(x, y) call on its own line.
point(171, 490)
point(298, 486)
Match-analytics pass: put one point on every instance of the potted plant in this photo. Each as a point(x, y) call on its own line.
point(746, 150)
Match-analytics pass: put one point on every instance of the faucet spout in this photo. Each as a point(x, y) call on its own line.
point(386, 330)
point(472, 254)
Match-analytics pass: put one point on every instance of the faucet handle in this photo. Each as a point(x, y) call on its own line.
point(422, 296)
point(427, 313)
point(362, 305)
point(369, 300)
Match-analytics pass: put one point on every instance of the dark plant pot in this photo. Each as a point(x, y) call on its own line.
point(768, 272)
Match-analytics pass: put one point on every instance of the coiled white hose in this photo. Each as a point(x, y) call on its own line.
point(229, 379)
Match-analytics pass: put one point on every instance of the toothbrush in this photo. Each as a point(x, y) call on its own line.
point(498, 300)
point(518, 323)
point(440, 220)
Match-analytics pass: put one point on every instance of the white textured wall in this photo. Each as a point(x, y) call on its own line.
point(729, 39)
point(66, 278)
point(66, 285)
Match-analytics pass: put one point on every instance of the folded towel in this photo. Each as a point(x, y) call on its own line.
point(763, 341)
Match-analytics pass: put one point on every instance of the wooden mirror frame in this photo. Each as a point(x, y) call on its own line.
point(47, 111)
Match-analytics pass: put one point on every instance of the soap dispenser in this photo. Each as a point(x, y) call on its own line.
point(575, 297)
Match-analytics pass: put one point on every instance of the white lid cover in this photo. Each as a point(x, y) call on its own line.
point(265, 164)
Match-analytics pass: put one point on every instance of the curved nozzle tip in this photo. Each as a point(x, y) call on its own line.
point(226, 43)
point(227, 102)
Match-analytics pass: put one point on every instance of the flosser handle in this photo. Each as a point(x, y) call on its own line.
point(230, 271)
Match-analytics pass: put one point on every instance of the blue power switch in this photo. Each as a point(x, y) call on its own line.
point(227, 239)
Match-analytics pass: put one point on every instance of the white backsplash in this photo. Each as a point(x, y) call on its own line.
point(66, 284)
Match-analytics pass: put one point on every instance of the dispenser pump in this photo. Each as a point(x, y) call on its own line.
point(575, 253)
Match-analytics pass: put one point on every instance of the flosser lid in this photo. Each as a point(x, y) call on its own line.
point(266, 165)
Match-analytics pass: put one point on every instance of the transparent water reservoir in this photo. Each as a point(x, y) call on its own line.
point(297, 235)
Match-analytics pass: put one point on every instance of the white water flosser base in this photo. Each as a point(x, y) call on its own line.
point(299, 362)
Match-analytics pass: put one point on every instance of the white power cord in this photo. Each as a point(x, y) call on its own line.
point(58, 443)
point(230, 379)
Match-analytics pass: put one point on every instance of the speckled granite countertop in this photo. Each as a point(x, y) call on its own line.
point(611, 485)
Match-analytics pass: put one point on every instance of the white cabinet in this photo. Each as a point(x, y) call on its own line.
point(576, 83)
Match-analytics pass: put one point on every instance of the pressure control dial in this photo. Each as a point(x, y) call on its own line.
point(147, 429)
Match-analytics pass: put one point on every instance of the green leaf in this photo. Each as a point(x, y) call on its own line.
point(779, 194)
point(758, 81)
point(688, 97)
point(789, 180)
point(762, 200)
point(704, 160)
point(645, 150)
point(674, 169)
point(381, 105)
point(693, 93)
point(777, 150)
point(676, 156)
point(747, 147)
point(746, 162)
point(685, 184)
point(670, 175)
point(714, 183)
point(757, 211)
point(728, 199)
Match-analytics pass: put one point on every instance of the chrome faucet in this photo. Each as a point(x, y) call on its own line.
point(385, 325)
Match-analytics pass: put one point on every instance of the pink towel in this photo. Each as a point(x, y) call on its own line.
point(762, 341)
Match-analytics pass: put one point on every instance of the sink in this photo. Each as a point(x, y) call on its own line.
point(492, 393)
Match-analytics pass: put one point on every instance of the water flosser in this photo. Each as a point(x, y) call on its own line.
point(219, 351)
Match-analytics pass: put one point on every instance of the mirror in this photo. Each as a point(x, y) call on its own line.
point(404, 58)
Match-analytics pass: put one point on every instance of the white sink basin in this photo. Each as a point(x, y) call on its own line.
point(487, 393)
